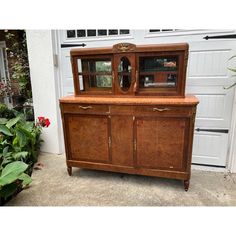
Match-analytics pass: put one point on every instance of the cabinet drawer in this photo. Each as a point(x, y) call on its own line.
point(126, 110)
point(85, 108)
point(163, 110)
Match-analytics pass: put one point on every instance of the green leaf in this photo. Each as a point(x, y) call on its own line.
point(11, 172)
point(12, 122)
point(8, 190)
point(21, 138)
point(5, 150)
point(5, 130)
point(28, 126)
point(26, 179)
point(234, 70)
point(18, 155)
point(24, 130)
point(3, 121)
point(15, 141)
point(232, 57)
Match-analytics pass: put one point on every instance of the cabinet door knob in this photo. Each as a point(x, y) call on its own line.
point(160, 109)
point(85, 108)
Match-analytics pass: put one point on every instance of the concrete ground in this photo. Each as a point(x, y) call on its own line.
point(52, 186)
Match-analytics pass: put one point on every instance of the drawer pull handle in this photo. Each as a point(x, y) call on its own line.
point(85, 108)
point(161, 109)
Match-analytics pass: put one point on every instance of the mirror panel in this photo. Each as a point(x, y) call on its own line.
point(124, 74)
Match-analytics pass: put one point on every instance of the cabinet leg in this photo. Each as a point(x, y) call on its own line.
point(186, 185)
point(69, 170)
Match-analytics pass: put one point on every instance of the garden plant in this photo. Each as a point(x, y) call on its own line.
point(19, 148)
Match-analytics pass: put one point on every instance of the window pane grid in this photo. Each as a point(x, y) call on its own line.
point(91, 33)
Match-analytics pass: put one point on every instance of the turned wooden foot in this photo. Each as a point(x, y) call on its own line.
point(186, 185)
point(69, 170)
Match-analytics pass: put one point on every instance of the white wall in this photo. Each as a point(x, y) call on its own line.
point(44, 86)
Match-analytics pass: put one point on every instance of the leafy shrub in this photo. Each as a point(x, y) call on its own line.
point(5, 112)
point(19, 148)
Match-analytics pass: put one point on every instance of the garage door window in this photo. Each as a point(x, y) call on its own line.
point(89, 33)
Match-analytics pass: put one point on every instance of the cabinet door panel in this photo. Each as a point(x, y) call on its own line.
point(161, 142)
point(88, 137)
point(122, 140)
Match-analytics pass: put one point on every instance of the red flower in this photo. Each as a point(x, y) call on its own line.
point(42, 121)
point(47, 122)
point(41, 118)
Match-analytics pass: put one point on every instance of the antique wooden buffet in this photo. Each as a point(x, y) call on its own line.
point(129, 113)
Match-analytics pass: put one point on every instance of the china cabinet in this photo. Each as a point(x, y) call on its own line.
point(129, 112)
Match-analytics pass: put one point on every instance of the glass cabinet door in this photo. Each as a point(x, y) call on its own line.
point(95, 74)
point(158, 72)
point(124, 71)
point(124, 74)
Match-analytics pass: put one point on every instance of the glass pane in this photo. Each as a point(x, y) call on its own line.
point(157, 71)
point(70, 33)
point(124, 65)
point(95, 74)
point(91, 32)
point(154, 30)
point(93, 65)
point(124, 74)
point(158, 63)
point(100, 81)
point(124, 31)
point(102, 32)
point(81, 83)
point(102, 66)
point(153, 81)
point(167, 30)
point(113, 32)
point(81, 33)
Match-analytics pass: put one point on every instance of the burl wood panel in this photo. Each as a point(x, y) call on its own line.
point(122, 140)
point(160, 142)
point(88, 137)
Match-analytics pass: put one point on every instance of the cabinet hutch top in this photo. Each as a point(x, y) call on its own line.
point(128, 47)
point(130, 70)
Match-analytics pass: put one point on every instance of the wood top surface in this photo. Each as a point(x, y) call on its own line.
point(138, 48)
point(188, 100)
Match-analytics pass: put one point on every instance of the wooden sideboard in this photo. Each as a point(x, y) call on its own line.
point(129, 113)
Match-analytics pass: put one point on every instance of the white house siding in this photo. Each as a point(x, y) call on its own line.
point(45, 90)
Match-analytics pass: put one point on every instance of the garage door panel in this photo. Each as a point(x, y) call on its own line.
point(215, 106)
point(207, 74)
point(210, 148)
point(211, 63)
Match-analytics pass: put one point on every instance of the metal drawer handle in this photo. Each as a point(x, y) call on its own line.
point(85, 108)
point(160, 109)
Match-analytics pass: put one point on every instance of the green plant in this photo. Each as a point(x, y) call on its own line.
point(19, 147)
point(19, 66)
point(5, 112)
point(11, 176)
point(233, 70)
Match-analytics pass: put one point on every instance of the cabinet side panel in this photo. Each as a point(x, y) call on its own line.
point(161, 142)
point(122, 140)
point(88, 137)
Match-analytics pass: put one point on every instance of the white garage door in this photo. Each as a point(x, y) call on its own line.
point(207, 77)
